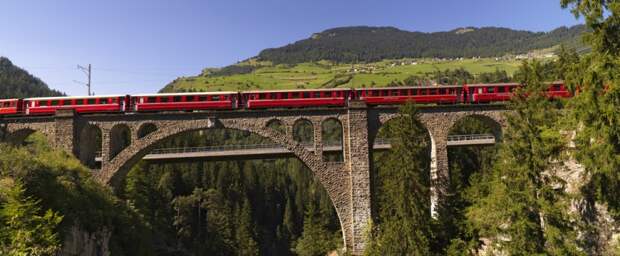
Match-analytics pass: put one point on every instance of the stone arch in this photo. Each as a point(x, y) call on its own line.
point(120, 138)
point(303, 131)
point(90, 145)
point(19, 137)
point(334, 180)
point(493, 121)
point(332, 134)
point(378, 139)
point(146, 129)
point(276, 125)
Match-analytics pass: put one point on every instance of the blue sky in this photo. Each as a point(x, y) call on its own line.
point(139, 46)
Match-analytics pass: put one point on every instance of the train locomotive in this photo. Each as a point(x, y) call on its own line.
point(230, 100)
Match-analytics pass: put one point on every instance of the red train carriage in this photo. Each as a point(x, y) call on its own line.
point(296, 98)
point(557, 89)
point(485, 93)
point(184, 101)
point(84, 104)
point(11, 107)
point(447, 94)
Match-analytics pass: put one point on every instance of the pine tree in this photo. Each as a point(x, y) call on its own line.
point(244, 234)
point(595, 108)
point(522, 207)
point(403, 225)
point(315, 239)
point(24, 228)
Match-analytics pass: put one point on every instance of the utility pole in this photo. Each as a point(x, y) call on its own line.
point(86, 71)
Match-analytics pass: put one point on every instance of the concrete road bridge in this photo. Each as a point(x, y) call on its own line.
point(262, 151)
point(347, 182)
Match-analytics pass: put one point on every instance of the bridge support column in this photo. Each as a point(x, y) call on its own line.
point(440, 173)
point(357, 160)
point(65, 130)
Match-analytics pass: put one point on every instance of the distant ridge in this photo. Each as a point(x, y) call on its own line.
point(368, 44)
point(18, 83)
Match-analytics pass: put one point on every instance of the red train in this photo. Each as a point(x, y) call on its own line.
point(447, 94)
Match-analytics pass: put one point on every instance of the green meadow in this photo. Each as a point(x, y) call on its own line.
point(323, 74)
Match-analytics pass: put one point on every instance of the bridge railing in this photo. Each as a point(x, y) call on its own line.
point(470, 137)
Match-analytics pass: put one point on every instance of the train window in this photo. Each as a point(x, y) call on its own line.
point(490, 89)
point(414, 92)
point(317, 95)
point(273, 95)
point(262, 96)
point(204, 98)
point(306, 95)
point(295, 95)
point(404, 92)
point(177, 98)
point(90, 101)
point(66, 102)
point(423, 92)
point(54, 103)
point(103, 101)
point(151, 100)
point(164, 99)
point(327, 94)
point(394, 92)
point(433, 92)
point(480, 90)
point(557, 88)
point(43, 103)
point(284, 95)
point(442, 91)
point(501, 89)
point(215, 97)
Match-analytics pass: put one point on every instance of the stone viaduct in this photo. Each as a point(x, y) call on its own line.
point(347, 183)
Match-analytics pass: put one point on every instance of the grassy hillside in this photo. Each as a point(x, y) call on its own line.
point(370, 44)
point(382, 56)
point(325, 74)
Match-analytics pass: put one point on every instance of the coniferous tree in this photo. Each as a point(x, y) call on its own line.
point(521, 206)
point(595, 108)
point(403, 224)
point(315, 239)
point(244, 234)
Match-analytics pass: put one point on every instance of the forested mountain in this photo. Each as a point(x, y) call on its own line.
point(367, 44)
point(18, 83)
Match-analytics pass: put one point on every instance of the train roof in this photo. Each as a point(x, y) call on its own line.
point(75, 97)
point(512, 84)
point(410, 87)
point(299, 90)
point(183, 94)
point(12, 99)
point(494, 84)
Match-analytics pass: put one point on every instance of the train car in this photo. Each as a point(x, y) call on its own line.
point(296, 98)
point(184, 101)
point(444, 94)
point(11, 107)
point(557, 89)
point(82, 104)
point(486, 93)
